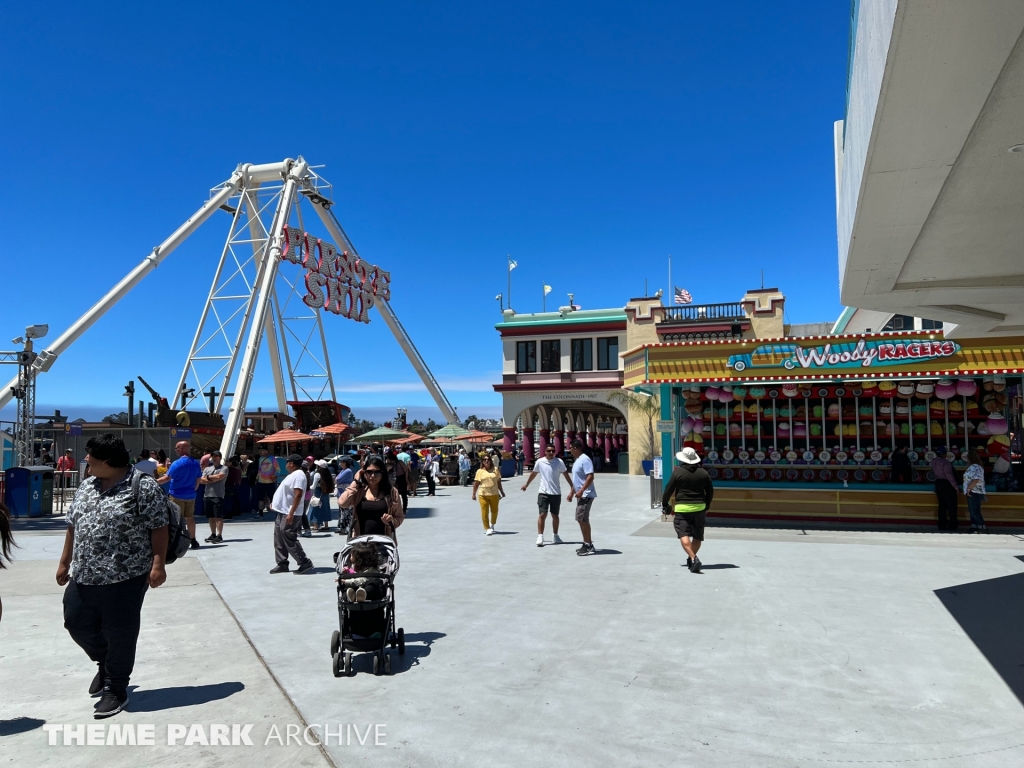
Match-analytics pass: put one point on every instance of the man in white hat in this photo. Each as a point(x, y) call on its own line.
point(688, 496)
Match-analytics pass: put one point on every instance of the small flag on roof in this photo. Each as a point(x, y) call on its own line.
point(683, 296)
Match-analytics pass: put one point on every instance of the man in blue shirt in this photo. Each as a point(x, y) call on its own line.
point(183, 475)
point(584, 492)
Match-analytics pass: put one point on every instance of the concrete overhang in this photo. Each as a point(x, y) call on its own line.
point(930, 199)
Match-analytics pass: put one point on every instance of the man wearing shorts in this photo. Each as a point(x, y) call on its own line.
point(214, 484)
point(688, 496)
point(583, 490)
point(550, 497)
point(183, 475)
point(266, 480)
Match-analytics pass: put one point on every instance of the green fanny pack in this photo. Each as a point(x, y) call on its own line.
point(682, 509)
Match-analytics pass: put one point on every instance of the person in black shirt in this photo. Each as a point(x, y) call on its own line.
point(901, 472)
point(688, 496)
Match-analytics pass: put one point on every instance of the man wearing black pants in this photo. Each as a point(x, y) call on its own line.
point(946, 490)
point(114, 550)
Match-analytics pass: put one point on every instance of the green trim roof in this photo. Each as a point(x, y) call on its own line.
point(556, 318)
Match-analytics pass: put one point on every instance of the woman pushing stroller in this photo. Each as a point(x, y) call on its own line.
point(377, 504)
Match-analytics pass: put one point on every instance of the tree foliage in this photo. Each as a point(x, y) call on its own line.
point(648, 408)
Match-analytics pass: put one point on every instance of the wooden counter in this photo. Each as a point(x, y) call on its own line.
point(848, 505)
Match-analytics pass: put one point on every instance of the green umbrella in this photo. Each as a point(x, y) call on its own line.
point(381, 434)
point(450, 430)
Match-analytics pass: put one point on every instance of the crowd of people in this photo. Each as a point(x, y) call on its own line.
point(124, 514)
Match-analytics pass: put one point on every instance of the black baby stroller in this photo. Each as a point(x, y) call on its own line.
point(367, 626)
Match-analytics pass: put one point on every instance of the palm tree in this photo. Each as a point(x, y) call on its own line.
point(648, 407)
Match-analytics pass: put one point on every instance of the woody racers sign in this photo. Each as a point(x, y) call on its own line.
point(335, 280)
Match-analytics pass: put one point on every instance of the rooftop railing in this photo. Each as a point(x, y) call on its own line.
point(702, 312)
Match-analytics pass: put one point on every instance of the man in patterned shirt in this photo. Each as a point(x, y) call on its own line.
point(113, 551)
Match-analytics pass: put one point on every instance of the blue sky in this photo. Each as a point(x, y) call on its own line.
point(588, 140)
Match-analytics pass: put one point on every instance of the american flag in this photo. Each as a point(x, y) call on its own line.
point(683, 296)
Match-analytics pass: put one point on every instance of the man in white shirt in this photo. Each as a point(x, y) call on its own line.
point(288, 502)
point(146, 465)
point(550, 497)
point(583, 490)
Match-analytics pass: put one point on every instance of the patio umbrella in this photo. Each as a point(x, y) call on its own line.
point(450, 430)
point(382, 434)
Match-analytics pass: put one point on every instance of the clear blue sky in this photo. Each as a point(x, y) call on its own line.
point(589, 140)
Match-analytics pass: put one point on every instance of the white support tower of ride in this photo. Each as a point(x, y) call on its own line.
point(251, 300)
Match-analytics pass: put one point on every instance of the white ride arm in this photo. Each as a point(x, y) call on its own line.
point(329, 220)
point(152, 261)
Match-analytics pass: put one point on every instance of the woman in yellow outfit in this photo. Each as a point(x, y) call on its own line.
point(488, 484)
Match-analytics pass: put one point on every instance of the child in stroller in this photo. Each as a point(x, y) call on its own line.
point(366, 604)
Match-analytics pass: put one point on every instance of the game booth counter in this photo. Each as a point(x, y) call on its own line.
point(804, 428)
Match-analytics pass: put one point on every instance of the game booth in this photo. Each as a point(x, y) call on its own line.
point(804, 428)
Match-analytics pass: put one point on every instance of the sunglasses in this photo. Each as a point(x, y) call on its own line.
point(549, 450)
point(372, 472)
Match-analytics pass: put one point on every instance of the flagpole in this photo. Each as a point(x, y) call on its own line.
point(509, 265)
point(543, 299)
point(671, 288)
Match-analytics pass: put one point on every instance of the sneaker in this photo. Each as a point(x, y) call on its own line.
point(489, 532)
point(491, 529)
point(195, 545)
point(360, 595)
point(307, 534)
point(307, 566)
point(280, 569)
point(350, 595)
point(695, 566)
point(540, 540)
point(586, 549)
point(556, 539)
point(689, 562)
point(211, 538)
point(96, 686)
point(111, 703)
point(219, 539)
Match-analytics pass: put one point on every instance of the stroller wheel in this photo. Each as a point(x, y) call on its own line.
point(348, 664)
point(387, 664)
point(376, 664)
point(401, 641)
point(335, 642)
point(337, 664)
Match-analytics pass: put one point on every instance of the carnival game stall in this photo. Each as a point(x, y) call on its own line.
point(824, 415)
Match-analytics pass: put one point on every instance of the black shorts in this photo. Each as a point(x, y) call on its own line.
point(265, 492)
point(549, 502)
point(213, 506)
point(690, 524)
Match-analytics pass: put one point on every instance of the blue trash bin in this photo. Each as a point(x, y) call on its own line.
point(28, 491)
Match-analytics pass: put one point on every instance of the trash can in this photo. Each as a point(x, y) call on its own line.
point(28, 491)
point(624, 463)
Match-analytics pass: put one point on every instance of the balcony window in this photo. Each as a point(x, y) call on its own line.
point(583, 354)
point(608, 354)
point(931, 325)
point(526, 357)
point(551, 356)
point(900, 323)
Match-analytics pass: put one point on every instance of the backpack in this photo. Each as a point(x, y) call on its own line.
point(178, 541)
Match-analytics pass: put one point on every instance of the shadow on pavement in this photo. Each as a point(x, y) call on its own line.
point(415, 512)
point(607, 552)
point(20, 725)
point(717, 566)
point(991, 612)
point(317, 569)
point(160, 699)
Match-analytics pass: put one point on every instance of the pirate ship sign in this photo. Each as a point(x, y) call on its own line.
point(335, 280)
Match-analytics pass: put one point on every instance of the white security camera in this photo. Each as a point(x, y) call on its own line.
point(36, 331)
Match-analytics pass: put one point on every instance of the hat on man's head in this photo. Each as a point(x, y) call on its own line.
point(688, 456)
point(295, 459)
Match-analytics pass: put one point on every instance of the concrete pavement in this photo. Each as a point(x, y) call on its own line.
point(792, 649)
